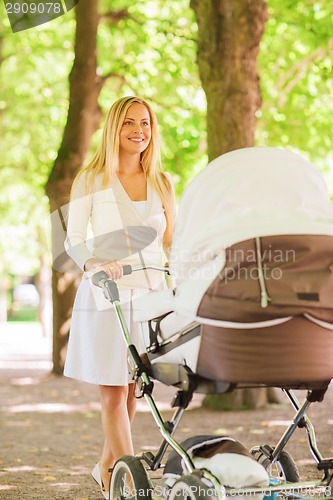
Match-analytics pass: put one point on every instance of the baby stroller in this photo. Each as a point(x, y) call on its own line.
point(252, 307)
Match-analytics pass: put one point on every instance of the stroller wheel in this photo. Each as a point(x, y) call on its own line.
point(283, 470)
point(191, 487)
point(129, 480)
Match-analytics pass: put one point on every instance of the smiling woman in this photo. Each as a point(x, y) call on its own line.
point(134, 138)
point(136, 129)
point(122, 187)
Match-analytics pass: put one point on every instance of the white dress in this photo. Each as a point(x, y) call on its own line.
point(107, 224)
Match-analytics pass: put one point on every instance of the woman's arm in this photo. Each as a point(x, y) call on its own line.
point(78, 218)
point(76, 240)
point(170, 207)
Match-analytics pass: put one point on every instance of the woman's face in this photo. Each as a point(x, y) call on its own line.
point(135, 132)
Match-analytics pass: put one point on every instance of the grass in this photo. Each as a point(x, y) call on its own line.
point(24, 314)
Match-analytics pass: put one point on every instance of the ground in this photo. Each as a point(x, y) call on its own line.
point(51, 436)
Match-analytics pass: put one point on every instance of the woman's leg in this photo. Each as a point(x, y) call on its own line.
point(118, 410)
point(131, 402)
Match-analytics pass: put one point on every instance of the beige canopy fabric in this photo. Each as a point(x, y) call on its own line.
point(251, 192)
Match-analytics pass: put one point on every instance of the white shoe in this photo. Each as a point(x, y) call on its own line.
point(96, 474)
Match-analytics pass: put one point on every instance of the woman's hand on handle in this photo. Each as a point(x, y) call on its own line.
point(113, 268)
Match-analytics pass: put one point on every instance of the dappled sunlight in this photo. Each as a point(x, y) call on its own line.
point(46, 475)
point(23, 346)
point(275, 423)
point(22, 468)
point(7, 487)
point(65, 487)
point(19, 364)
point(20, 423)
point(64, 329)
point(143, 407)
point(53, 408)
point(71, 408)
point(305, 461)
point(25, 381)
point(150, 447)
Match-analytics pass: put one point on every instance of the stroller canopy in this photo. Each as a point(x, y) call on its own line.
point(243, 194)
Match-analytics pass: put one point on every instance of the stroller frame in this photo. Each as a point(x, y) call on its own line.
point(188, 383)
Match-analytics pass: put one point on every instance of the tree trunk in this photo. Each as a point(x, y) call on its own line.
point(83, 119)
point(228, 45)
point(229, 35)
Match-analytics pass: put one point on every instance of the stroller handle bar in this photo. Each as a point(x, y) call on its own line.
point(101, 277)
point(132, 269)
point(110, 289)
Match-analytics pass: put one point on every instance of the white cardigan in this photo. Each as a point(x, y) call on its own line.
point(96, 224)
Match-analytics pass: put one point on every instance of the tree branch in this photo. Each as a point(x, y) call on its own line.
point(292, 77)
point(115, 15)
point(113, 75)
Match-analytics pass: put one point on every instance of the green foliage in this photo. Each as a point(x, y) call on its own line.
point(148, 48)
point(34, 98)
point(147, 51)
point(24, 315)
point(296, 68)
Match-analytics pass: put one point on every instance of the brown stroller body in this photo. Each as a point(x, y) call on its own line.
point(298, 282)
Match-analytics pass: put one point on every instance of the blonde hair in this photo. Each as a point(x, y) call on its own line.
point(106, 159)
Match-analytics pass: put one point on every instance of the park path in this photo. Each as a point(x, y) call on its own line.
point(50, 433)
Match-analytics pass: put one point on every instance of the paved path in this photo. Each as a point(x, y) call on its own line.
point(50, 433)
